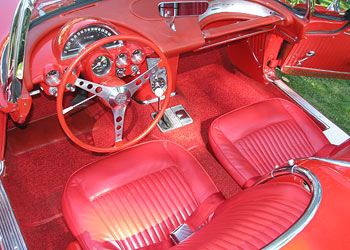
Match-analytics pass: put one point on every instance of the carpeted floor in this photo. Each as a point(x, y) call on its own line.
point(208, 86)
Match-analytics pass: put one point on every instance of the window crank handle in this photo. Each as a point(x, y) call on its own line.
point(309, 54)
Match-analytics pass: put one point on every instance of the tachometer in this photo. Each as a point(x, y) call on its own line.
point(101, 66)
point(86, 36)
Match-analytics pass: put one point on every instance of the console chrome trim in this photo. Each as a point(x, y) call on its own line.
point(236, 6)
point(309, 213)
point(10, 233)
point(334, 134)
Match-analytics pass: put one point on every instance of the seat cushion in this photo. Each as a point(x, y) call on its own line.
point(251, 219)
point(134, 198)
point(251, 140)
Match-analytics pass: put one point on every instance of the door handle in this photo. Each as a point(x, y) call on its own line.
point(309, 54)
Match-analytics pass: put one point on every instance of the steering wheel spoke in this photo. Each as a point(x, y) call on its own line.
point(114, 92)
point(135, 84)
point(93, 88)
point(118, 117)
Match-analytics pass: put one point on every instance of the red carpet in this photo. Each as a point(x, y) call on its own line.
point(207, 87)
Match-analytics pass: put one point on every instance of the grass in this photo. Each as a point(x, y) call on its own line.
point(343, 5)
point(330, 96)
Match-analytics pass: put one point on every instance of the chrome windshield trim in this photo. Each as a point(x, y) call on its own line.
point(16, 51)
point(332, 161)
point(309, 213)
point(3, 71)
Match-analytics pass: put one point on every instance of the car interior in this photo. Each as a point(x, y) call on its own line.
point(153, 126)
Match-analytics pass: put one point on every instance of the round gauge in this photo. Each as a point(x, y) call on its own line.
point(86, 36)
point(101, 65)
point(122, 60)
point(52, 77)
point(137, 56)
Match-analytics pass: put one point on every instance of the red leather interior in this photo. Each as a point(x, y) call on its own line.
point(134, 199)
point(251, 140)
point(251, 219)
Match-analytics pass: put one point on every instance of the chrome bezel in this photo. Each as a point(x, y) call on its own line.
point(138, 54)
point(124, 63)
point(56, 79)
point(114, 32)
point(106, 70)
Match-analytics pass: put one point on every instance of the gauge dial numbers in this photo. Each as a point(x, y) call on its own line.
point(88, 35)
point(101, 66)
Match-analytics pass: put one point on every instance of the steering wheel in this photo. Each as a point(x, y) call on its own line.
point(117, 96)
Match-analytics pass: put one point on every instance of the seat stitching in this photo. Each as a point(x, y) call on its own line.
point(146, 223)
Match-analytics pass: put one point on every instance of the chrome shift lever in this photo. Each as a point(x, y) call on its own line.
point(159, 92)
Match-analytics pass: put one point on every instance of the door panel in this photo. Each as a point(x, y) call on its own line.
point(331, 57)
point(325, 50)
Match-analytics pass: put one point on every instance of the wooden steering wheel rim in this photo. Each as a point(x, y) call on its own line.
point(61, 89)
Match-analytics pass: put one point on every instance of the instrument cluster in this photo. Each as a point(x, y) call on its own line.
point(118, 58)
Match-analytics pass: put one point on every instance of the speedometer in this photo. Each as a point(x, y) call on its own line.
point(86, 36)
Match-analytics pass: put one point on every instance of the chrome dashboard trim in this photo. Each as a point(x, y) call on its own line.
point(235, 38)
point(309, 212)
point(236, 6)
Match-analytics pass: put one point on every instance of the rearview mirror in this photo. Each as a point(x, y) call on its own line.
point(178, 9)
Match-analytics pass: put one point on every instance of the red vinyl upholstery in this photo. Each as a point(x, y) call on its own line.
point(252, 219)
point(251, 140)
point(134, 199)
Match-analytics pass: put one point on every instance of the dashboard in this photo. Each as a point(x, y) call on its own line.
point(57, 41)
point(118, 58)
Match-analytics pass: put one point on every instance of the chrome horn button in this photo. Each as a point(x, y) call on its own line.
point(119, 97)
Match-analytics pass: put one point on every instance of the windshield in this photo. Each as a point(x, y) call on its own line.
point(300, 4)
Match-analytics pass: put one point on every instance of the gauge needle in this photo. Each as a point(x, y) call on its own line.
point(97, 65)
point(100, 62)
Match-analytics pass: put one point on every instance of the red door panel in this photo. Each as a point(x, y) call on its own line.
point(324, 51)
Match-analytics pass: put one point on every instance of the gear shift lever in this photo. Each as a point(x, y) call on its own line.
point(159, 92)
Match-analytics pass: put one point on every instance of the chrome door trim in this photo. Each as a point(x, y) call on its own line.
point(322, 70)
point(331, 161)
point(10, 233)
point(334, 134)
